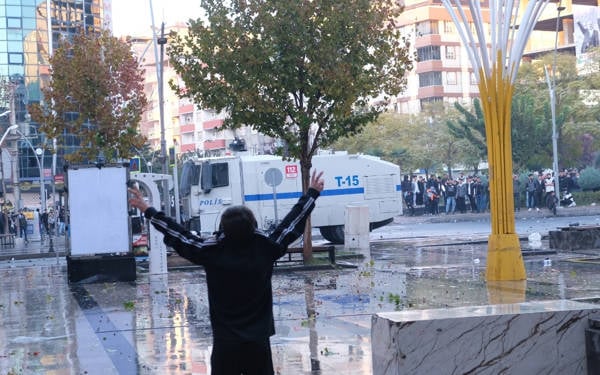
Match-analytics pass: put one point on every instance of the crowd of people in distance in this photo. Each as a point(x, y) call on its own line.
point(465, 193)
point(540, 190)
point(449, 195)
point(51, 222)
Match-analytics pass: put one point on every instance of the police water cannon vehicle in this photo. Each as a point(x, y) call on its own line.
point(269, 186)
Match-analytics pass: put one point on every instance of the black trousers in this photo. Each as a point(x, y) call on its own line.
point(236, 358)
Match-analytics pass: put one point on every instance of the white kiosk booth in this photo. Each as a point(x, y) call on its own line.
point(99, 248)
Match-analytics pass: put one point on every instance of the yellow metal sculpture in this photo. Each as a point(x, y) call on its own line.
point(495, 57)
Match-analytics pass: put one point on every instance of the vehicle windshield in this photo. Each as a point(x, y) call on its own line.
point(190, 175)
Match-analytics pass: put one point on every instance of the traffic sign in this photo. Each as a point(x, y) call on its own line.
point(134, 164)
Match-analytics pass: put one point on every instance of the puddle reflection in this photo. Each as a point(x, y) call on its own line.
point(160, 324)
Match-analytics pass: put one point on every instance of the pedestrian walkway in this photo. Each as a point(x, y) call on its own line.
point(159, 324)
point(34, 249)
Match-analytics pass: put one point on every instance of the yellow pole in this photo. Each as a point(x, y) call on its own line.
point(507, 34)
point(504, 261)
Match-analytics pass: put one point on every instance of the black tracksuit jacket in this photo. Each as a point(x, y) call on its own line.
point(238, 278)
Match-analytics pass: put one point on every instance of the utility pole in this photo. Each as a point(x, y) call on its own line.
point(161, 105)
point(161, 41)
point(559, 8)
point(54, 174)
point(176, 182)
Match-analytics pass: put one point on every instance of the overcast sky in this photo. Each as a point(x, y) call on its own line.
point(132, 17)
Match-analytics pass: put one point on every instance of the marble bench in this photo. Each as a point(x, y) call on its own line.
point(541, 337)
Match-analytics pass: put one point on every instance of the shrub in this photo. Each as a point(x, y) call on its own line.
point(589, 179)
point(523, 179)
point(585, 198)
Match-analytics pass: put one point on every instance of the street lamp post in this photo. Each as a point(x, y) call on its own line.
point(8, 130)
point(551, 82)
point(559, 9)
point(159, 62)
point(161, 103)
point(39, 152)
point(54, 174)
point(176, 182)
point(40, 160)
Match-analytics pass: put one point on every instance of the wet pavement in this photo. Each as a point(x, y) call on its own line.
point(159, 324)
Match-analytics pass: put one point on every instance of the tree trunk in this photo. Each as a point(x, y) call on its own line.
point(305, 166)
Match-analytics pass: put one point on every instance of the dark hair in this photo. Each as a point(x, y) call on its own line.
point(238, 224)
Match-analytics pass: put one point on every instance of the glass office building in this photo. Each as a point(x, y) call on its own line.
point(29, 31)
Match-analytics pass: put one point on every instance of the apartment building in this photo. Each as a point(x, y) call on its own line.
point(29, 32)
point(443, 71)
point(201, 134)
point(190, 130)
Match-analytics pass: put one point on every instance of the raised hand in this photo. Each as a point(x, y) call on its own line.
point(136, 199)
point(316, 182)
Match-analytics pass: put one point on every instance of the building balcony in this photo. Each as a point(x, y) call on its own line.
point(187, 128)
point(214, 145)
point(187, 147)
point(211, 124)
point(431, 91)
point(428, 40)
point(188, 108)
point(429, 66)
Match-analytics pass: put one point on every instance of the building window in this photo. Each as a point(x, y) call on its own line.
point(430, 79)
point(449, 27)
point(13, 11)
point(473, 79)
point(210, 114)
point(451, 52)
point(187, 138)
point(406, 30)
point(13, 23)
point(428, 53)
point(28, 23)
point(15, 58)
point(427, 28)
point(428, 101)
point(451, 78)
point(473, 28)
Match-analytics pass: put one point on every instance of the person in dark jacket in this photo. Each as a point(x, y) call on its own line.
point(22, 226)
point(238, 262)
